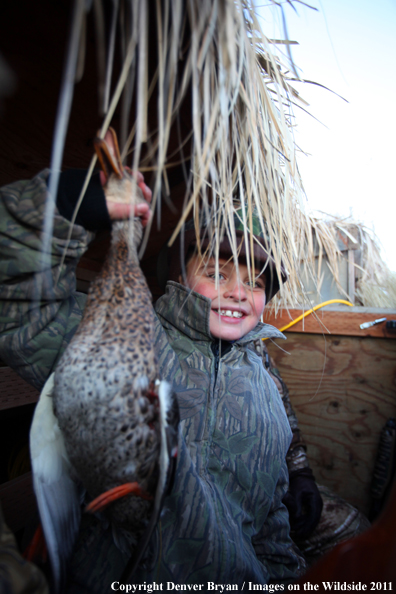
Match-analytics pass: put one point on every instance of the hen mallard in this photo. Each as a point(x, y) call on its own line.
point(104, 419)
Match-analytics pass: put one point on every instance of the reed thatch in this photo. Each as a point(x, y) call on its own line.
point(223, 101)
point(374, 282)
point(239, 148)
point(215, 68)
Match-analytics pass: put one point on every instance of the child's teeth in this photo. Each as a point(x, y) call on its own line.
point(229, 313)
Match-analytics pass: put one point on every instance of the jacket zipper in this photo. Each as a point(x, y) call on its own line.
point(216, 353)
point(227, 346)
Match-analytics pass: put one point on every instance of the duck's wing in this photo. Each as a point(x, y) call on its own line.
point(169, 427)
point(57, 494)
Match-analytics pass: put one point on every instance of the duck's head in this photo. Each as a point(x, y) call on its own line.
point(119, 183)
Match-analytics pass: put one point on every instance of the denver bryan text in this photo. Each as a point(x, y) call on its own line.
point(169, 586)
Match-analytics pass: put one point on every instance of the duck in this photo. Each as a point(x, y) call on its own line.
point(105, 429)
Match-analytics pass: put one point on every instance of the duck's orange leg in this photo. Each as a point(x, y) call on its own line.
point(103, 500)
point(36, 550)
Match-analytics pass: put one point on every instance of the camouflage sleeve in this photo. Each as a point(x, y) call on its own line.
point(273, 545)
point(17, 576)
point(34, 332)
point(296, 456)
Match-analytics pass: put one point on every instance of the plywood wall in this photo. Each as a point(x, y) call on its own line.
point(343, 390)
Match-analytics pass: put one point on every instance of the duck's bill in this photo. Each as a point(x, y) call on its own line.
point(108, 153)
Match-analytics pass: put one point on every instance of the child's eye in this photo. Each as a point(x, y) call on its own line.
point(213, 276)
point(255, 284)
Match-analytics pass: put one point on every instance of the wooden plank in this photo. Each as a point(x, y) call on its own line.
point(341, 322)
point(343, 391)
point(18, 501)
point(14, 390)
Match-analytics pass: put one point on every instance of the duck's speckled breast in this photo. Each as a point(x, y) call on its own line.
point(109, 423)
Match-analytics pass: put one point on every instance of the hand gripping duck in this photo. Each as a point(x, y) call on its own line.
point(104, 421)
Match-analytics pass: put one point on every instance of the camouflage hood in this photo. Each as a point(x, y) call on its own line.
point(189, 312)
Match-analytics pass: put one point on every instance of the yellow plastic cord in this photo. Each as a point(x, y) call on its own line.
point(312, 310)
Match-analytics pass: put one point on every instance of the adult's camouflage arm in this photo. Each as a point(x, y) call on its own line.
point(34, 332)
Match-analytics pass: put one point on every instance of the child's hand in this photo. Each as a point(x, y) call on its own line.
point(120, 210)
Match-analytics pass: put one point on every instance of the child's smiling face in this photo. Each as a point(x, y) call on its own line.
point(236, 305)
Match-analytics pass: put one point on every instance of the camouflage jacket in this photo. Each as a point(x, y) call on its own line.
point(32, 335)
point(224, 521)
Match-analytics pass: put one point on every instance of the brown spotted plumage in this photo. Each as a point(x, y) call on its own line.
point(112, 411)
point(102, 380)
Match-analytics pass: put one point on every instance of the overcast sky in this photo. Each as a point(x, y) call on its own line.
point(350, 47)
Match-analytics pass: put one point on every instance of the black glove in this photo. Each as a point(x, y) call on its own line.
point(304, 503)
point(93, 214)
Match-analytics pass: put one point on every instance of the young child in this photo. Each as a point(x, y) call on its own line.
point(224, 522)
